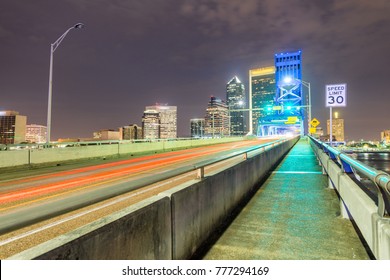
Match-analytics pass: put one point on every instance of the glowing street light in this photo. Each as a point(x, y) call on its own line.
point(53, 47)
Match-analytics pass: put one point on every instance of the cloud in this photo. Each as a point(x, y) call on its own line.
point(218, 17)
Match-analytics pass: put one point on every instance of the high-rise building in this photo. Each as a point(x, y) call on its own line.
point(36, 133)
point(168, 120)
point(151, 124)
point(337, 128)
point(235, 99)
point(385, 136)
point(217, 118)
point(130, 132)
point(12, 127)
point(261, 94)
point(197, 128)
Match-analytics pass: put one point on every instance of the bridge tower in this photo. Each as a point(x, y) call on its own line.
point(286, 114)
point(288, 78)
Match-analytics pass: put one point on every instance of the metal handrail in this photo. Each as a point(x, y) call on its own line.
point(24, 217)
point(349, 165)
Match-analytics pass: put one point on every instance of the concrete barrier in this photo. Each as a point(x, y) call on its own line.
point(59, 155)
point(141, 231)
point(199, 209)
point(14, 158)
point(172, 225)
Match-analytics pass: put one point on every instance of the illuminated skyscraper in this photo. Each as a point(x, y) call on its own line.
point(217, 118)
point(168, 120)
point(151, 124)
point(261, 94)
point(197, 128)
point(12, 127)
point(235, 99)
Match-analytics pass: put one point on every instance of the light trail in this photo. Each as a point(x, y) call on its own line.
point(36, 197)
point(97, 208)
point(45, 189)
point(83, 213)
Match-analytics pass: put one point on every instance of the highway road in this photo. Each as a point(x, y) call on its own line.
point(40, 204)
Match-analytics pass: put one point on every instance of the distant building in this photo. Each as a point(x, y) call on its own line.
point(130, 132)
point(319, 131)
point(168, 120)
point(217, 118)
point(385, 136)
point(338, 128)
point(106, 134)
point(236, 100)
point(36, 133)
point(197, 128)
point(151, 124)
point(261, 94)
point(12, 127)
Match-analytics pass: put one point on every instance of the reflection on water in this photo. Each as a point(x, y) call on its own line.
point(380, 161)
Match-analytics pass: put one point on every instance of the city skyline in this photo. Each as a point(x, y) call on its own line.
point(131, 54)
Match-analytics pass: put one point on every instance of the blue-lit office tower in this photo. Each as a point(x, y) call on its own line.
point(287, 77)
point(235, 99)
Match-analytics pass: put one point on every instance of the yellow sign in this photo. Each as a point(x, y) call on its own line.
point(291, 120)
point(313, 130)
point(275, 108)
point(314, 122)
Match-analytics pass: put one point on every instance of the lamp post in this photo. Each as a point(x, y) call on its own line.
point(307, 84)
point(53, 47)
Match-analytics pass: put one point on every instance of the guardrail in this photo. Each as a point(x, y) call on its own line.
point(10, 147)
point(24, 217)
point(352, 166)
point(29, 156)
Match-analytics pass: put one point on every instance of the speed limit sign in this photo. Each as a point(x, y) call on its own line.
point(336, 95)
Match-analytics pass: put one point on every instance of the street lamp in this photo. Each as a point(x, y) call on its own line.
point(307, 84)
point(53, 47)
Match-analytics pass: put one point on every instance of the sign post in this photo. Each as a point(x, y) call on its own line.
point(336, 96)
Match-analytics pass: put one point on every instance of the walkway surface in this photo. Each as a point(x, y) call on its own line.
point(293, 216)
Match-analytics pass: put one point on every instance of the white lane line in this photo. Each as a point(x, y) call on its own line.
point(28, 233)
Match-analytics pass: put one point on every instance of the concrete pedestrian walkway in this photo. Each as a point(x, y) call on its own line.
point(293, 216)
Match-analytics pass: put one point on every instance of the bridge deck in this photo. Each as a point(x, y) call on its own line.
point(292, 216)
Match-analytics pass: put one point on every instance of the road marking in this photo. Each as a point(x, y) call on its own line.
point(296, 172)
point(301, 155)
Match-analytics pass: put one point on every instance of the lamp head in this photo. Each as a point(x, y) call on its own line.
point(287, 80)
point(79, 25)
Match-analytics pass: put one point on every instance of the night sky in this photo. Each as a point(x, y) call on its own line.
point(135, 53)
